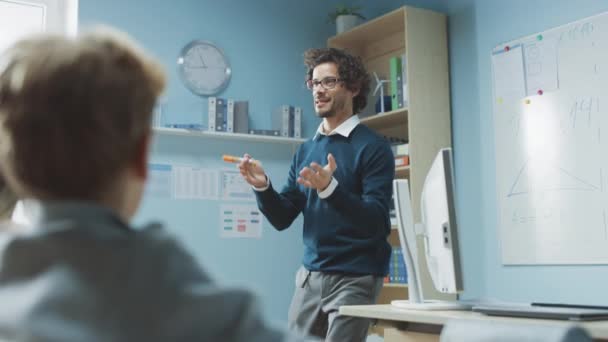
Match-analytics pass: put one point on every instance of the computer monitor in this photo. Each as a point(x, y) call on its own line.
point(439, 231)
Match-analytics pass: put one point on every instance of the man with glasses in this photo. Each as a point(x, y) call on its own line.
point(345, 202)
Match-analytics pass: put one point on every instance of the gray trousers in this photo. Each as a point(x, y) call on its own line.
point(317, 300)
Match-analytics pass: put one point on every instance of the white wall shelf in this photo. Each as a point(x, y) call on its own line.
point(226, 136)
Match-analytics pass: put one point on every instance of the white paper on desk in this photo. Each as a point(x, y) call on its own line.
point(234, 187)
point(541, 66)
point(194, 183)
point(508, 73)
point(240, 221)
point(159, 181)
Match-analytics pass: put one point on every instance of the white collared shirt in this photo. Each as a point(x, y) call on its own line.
point(344, 129)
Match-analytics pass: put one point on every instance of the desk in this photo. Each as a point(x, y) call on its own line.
point(413, 325)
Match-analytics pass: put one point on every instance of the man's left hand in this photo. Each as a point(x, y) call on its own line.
point(317, 177)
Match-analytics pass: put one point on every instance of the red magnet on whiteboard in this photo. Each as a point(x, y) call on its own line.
point(539, 92)
point(507, 48)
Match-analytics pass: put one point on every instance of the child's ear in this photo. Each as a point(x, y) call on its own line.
point(140, 162)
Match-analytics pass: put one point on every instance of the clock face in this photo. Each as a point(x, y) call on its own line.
point(203, 68)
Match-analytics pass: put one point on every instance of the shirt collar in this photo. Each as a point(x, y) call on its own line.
point(344, 129)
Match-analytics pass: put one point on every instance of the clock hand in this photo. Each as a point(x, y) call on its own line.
point(202, 60)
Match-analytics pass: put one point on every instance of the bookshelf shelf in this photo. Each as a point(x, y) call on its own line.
point(402, 171)
point(419, 36)
point(392, 124)
point(227, 136)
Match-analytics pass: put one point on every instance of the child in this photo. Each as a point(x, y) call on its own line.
point(74, 139)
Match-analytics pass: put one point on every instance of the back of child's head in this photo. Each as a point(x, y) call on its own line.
point(73, 112)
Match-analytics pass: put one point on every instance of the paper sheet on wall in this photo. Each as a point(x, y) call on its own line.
point(240, 221)
point(159, 181)
point(541, 66)
point(194, 183)
point(508, 72)
point(234, 187)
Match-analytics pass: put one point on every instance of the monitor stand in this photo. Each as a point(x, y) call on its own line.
point(430, 305)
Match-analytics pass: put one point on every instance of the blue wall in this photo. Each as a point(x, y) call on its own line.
point(265, 51)
point(476, 26)
point(264, 41)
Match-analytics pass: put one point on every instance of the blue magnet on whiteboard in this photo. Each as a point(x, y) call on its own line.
point(539, 37)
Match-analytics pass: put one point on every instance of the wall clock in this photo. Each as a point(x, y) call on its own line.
point(203, 68)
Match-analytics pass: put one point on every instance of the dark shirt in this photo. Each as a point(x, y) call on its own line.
point(82, 274)
point(347, 231)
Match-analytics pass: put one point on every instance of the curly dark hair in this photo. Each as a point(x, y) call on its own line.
point(350, 69)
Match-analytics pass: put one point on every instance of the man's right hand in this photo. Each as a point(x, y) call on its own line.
point(253, 172)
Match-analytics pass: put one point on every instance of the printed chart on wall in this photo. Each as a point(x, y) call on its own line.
point(182, 182)
point(240, 221)
point(551, 128)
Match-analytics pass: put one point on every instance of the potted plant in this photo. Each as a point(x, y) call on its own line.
point(345, 17)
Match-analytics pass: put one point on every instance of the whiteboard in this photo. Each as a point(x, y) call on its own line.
point(550, 101)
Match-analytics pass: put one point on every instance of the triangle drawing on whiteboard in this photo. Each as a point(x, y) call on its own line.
point(541, 176)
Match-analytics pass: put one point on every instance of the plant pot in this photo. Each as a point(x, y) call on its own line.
point(346, 22)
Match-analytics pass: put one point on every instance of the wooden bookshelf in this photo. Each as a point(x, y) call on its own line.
point(424, 123)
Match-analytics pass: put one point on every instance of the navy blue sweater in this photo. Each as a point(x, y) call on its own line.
point(347, 231)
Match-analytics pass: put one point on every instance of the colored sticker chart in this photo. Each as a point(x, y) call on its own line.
point(240, 221)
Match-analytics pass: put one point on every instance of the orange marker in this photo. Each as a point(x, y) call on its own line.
point(234, 159)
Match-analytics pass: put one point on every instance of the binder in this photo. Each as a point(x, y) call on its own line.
point(396, 82)
point(211, 113)
point(217, 114)
point(230, 116)
point(297, 122)
point(241, 117)
point(281, 120)
point(220, 115)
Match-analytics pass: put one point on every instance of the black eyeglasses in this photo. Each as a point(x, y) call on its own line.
point(327, 83)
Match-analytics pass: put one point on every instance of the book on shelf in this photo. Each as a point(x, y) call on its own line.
point(397, 273)
point(402, 161)
point(395, 140)
point(396, 82)
point(400, 149)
